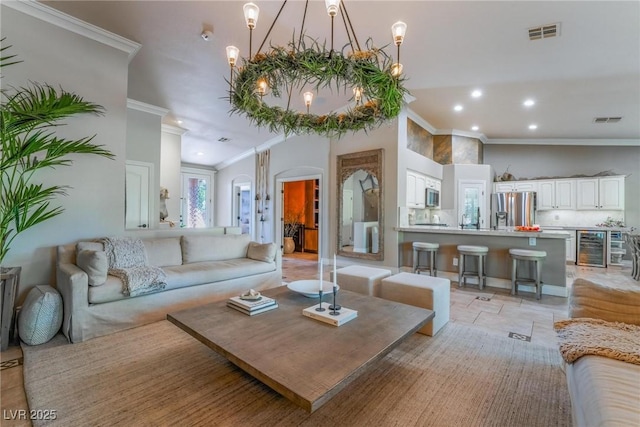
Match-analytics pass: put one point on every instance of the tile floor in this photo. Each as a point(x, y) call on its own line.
point(492, 309)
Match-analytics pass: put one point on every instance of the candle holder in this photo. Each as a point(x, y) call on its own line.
point(319, 308)
point(335, 308)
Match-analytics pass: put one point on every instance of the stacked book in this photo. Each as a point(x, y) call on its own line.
point(252, 306)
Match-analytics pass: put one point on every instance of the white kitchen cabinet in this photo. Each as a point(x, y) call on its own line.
point(509, 186)
point(601, 193)
point(556, 194)
point(416, 184)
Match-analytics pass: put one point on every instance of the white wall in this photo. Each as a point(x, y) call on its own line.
point(243, 170)
point(385, 137)
point(170, 146)
point(143, 145)
point(301, 156)
point(95, 205)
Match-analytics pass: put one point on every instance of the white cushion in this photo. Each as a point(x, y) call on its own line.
point(198, 248)
point(425, 245)
point(95, 264)
point(421, 291)
point(265, 252)
point(41, 315)
point(528, 253)
point(163, 252)
point(474, 249)
point(361, 279)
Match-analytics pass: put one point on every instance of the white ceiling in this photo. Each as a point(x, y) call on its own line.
point(451, 48)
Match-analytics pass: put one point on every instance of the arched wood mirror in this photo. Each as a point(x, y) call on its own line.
point(360, 205)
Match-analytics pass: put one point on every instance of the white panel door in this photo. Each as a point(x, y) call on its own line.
point(137, 184)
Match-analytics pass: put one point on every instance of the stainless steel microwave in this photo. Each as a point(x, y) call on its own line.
point(432, 198)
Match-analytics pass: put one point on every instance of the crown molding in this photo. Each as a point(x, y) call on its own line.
point(567, 141)
point(262, 147)
point(174, 130)
point(147, 108)
point(465, 133)
point(75, 25)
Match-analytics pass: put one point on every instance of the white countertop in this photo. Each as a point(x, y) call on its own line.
point(551, 234)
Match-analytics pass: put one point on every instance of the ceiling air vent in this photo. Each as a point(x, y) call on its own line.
point(544, 31)
point(607, 119)
point(223, 139)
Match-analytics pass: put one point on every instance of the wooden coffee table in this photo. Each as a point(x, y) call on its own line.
point(303, 359)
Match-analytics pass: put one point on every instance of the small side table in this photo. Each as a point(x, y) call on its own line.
point(9, 280)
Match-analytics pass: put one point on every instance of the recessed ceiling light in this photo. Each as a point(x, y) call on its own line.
point(458, 107)
point(179, 122)
point(200, 153)
point(476, 93)
point(474, 128)
point(529, 103)
point(533, 127)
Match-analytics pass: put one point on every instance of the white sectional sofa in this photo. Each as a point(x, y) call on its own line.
point(200, 268)
point(604, 391)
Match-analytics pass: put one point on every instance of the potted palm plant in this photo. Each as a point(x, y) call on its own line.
point(28, 118)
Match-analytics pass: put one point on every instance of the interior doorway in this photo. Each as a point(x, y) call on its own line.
point(242, 206)
point(301, 218)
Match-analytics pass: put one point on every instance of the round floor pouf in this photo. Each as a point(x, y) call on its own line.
point(41, 315)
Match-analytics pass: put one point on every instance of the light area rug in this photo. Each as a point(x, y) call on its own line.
point(157, 375)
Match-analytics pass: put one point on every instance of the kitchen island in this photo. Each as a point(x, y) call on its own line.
point(498, 261)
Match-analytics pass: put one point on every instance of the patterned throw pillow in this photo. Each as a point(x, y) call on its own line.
point(41, 315)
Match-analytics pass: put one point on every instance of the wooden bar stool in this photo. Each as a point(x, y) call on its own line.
point(530, 256)
point(432, 250)
point(476, 251)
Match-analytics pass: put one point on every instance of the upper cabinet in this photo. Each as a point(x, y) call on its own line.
point(601, 193)
point(509, 186)
point(556, 194)
point(416, 184)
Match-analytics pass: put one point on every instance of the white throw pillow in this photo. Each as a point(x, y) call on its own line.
point(95, 264)
point(262, 251)
point(164, 252)
point(41, 315)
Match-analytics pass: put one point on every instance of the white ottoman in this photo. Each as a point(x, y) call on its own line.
point(420, 291)
point(361, 279)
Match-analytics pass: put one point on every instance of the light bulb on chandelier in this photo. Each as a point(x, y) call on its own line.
point(308, 99)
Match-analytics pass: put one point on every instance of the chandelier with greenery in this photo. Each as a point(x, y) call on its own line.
point(370, 74)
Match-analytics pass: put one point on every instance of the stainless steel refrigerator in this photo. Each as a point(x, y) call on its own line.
point(512, 209)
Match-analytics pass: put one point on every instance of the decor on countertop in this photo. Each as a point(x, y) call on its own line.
point(370, 74)
point(164, 195)
point(28, 116)
point(610, 222)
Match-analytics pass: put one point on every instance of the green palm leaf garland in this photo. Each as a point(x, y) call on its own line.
point(298, 65)
point(28, 118)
